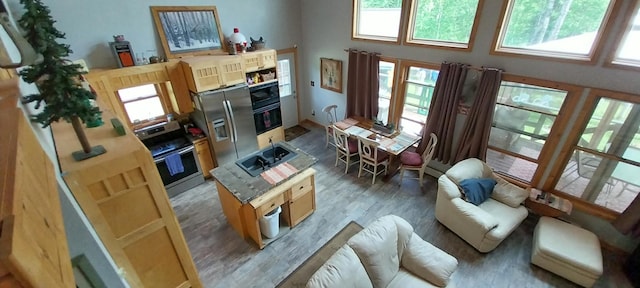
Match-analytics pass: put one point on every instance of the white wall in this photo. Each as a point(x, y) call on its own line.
point(90, 24)
point(326, 30)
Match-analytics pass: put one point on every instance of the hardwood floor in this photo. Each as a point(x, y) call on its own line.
point(224, 259)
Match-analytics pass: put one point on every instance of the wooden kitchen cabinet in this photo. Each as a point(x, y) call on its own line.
point(296, 197)
point(259, 60)
point(276, 135)
point(204, 156)
point(213, 72)
point(123, 196)
point(33, 243)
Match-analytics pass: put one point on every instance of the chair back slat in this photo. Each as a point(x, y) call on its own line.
point(427, 154)
point(368, 149)
point(330, 111)
point(341, 138)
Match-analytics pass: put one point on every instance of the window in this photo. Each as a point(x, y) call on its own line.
point(284, 77)
point(627, 52)
point(522, 122)
point(553, 28)
point(141, 103)
point(418, 89)
point(385, 84)
point(377, 19)
point(443, 23)
point(605, 162)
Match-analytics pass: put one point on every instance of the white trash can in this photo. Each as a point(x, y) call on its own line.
point(270, 223)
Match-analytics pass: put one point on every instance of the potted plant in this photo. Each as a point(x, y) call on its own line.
point(58, 80)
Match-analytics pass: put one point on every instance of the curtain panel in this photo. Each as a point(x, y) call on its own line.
point(362, 84)
point(441, 119)
point(477, 128)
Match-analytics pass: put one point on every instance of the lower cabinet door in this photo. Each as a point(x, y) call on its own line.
point(301, 207)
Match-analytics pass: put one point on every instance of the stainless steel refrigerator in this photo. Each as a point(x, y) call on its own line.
point(226, 116)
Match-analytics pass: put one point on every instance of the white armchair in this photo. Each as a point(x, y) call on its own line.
point(486, 225)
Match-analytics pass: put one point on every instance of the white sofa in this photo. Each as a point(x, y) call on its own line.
point(486, 225)
point(387, 253)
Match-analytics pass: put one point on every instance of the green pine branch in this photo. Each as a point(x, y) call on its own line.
point(57, 79)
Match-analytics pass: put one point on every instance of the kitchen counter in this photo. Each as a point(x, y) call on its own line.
point(246, 188)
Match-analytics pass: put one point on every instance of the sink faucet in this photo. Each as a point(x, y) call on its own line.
point(273, 149)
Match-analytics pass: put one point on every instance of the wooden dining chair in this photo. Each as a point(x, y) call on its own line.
point(410, 160)
point(346, 148)
point(371, 158)
point(330, 112)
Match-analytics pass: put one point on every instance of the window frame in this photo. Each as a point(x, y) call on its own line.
point(380, 39)
point(627, 24)
point(403, 73)
point(545, 158)
point(410, 27)
point(566, 150)
point(591, 58)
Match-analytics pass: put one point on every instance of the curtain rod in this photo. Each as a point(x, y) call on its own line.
point(481, 68)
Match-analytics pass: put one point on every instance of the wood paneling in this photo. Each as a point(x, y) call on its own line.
point(123, 196)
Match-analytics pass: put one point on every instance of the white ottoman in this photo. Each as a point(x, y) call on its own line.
point(567, 250)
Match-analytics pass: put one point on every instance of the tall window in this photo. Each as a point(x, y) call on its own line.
point(141, 103)
point(628, 52)
point(284, 77)
point(553, 28)
point(443, 23)
point(522, 121)
point(604, 168)
point(386, 76)
point(377, 19)
point(418, 90)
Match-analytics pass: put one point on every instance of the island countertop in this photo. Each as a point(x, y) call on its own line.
point(246, 188)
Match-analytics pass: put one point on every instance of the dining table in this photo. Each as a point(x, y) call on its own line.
point(393, 143)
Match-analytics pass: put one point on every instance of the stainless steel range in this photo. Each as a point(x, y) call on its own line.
point(165, 141)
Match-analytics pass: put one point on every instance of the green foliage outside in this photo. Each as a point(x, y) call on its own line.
point(56, 78)
point(533, 21)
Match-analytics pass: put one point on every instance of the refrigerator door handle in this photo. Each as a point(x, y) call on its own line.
point(233, 122)
point(227, 111)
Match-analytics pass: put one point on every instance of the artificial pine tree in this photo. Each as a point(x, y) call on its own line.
point(58, 80)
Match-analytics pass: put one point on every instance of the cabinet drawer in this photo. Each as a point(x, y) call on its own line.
point(269, 205)
point(300, 188)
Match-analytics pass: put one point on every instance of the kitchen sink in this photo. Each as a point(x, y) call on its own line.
point(263, 160)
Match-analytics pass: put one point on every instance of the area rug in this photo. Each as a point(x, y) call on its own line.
point(302, 274)
point(294, 132)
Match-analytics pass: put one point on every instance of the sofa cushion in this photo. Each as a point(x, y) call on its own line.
point(508, 218)
point(476, 190)
point(468, 168)
point(343, 269)
point(377, 248)
point(406, 279)
point(509, 194)
point(426, 260)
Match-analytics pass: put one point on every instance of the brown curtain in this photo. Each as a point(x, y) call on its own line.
point(629, 221)
point(362, 84)
point(475, 135)
point(443, 110)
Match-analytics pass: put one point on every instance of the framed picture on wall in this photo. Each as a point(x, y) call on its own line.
point(331, 74)
point(188, 30)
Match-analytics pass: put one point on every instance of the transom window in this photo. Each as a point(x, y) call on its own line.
point(141, 103)
point(553, 28)
point(442, 23)
point(628, 52)
point(377, 19)
point(523, 118)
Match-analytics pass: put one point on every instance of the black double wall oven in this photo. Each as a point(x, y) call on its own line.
point(265, 101)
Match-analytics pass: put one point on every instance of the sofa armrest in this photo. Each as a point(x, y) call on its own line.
point(428, 262)
point(449, 188)
point(476, 218)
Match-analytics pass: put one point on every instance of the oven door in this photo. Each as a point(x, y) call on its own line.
point(264, 95)
point(191, 170)
point(267, 118)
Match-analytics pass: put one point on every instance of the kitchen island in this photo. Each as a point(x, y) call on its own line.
point(245, 199)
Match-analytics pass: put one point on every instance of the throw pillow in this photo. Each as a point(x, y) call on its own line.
point(477, 190)
point(509, 194)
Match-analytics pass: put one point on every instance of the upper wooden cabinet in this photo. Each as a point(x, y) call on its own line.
point(212, 72)
point(259, 60)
